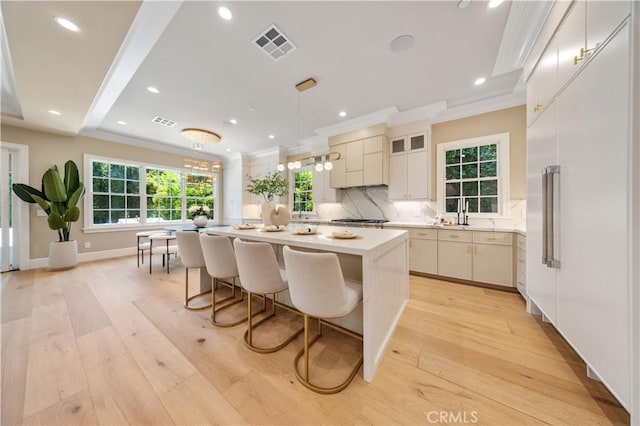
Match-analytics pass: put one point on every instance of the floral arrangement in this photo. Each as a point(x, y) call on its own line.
point(271, 185)
point(199, 211)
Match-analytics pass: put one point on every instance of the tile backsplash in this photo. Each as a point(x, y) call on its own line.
point(371, 203)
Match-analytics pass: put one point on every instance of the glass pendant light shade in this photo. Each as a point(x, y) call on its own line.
point(328, 165)
point(319, 167)
point(281, 167)
point(290, 165)
point(297, 164)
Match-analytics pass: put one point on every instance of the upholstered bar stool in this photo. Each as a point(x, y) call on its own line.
point(164, 245)
point(318, 289)
point(221, 265)
point(261, 274)
point(191, 257)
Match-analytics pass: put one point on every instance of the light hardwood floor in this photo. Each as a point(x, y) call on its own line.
point(107, 343)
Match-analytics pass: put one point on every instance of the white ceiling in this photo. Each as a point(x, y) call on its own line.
point(208, 70)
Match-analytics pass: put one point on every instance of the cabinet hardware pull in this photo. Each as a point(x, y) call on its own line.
point(422, 233)
point(454, 236)
point(583, 52)
point(491, 238)
point(520, 260)
point(537, 107)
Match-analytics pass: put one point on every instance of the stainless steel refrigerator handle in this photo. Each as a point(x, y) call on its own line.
point(544, 216)
point(553, 175)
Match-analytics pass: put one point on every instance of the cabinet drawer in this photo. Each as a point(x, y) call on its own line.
point(453, 235)
point(492, 237)
point(425, 234)
point(522, 258)
point(373, 144)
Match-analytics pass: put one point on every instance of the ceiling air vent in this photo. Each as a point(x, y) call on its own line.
point(164, 122)
point(274, 43)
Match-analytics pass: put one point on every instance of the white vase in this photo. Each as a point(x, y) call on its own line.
point(63, 254)
point(200, 221)
point(267, 207)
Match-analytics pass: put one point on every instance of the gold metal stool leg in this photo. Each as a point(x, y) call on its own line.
point(305, 351)
point(188, 299)
point(214, 304)
point(248, 335)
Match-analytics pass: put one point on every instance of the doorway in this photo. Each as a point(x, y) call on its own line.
point(13, 213)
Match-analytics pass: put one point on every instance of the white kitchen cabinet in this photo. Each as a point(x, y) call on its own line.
point(542, 84)
point(584, 290)
point(363, 162)
point(409, 168)
point(521, 266)
point(455, 254)
point(423, 250)
point(322, 190)
point(493, 258)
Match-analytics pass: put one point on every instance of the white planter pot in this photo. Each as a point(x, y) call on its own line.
point(267, 207)
point(63, 255)
point(200, 221)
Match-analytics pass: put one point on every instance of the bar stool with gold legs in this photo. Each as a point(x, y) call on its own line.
point(221, 265)
point(192, 257)
point(318, 289)
point(260, 274)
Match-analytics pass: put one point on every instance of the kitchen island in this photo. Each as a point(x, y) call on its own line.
point(381, 257)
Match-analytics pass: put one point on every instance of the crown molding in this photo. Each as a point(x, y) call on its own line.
point(524, 23)
point(481, 107)
point(426, 112)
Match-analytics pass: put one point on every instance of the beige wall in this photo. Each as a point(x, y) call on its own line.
point(45, 150)
point(511, 120)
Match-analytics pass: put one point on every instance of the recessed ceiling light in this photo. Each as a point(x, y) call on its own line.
point(228, 149)
point(225, 13)
point(54, 112)
point(342, 114)
point(480, 81)
point(153, 90)
point(252, 108)
point(122, 122)
point(233, 121)
point(494, 3)
point(271, 137)
point(67, 24)
point(401, 43)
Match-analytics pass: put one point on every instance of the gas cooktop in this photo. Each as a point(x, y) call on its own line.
point(351, 220)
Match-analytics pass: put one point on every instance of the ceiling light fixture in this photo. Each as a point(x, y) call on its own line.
point(480, 81)
point(233, 121)
point(272, 137)
point(494, 3)
point(200, 136)
point(53, 112)
point(122, 123)
point(67, 24)
point(228, 149)
point(153, 90)
point(342, 114)
point(225, 13)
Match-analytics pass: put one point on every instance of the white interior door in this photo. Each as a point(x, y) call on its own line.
point(14, 214)
point(7, 229)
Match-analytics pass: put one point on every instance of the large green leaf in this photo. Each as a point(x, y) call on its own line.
point(42, 203)
point(71, 178)
point(56, 221)
point(25, 192)
point(76, 196)
point(53, 186)
point(72, 215)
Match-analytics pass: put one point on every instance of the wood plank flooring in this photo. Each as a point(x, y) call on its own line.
point(108, 343)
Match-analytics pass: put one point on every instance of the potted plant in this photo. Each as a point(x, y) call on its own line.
point(273, 184)
point(200, 215)
point(59, 199)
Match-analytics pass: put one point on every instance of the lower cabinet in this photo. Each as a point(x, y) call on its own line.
point(423, 250)
point(455, 254)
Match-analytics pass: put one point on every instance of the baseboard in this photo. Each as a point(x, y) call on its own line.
point(43, 262)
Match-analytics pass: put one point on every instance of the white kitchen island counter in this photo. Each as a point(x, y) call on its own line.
point(383, 256)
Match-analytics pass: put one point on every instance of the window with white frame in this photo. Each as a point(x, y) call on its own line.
point(473, 175)
point(302, 190)
point(123, 193)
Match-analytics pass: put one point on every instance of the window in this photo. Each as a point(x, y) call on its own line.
point(303, 191)
point(124, 193)
point(164, 195)
point(116, 193)
point(474, 174)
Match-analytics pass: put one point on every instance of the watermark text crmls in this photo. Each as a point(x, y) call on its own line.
point(458, 417)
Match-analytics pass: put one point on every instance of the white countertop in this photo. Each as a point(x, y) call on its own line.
point(369, 240)
point(519, 230)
